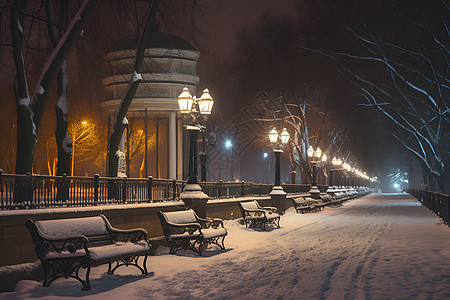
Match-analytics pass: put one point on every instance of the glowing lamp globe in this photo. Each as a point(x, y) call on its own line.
point(284, 136)
point(185, 101)
point(318, 152)
point(346, 166)
point(310, 151)
point(205, 103)
point(273, 136)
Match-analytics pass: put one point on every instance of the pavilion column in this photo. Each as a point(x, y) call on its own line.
point(180, 149)
point(172, 145)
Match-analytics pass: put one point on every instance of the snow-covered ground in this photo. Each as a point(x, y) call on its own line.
point(382, 246)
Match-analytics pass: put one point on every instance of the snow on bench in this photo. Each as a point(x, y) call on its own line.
point(255, 215)
point(66, 245)
point(184, 230)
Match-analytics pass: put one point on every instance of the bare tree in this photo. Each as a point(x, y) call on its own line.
point(86, 144)
point(63, 140)
point(270, 57)
point(406, 81)
point(119, 125)
point(311, 127)
point(30, 109)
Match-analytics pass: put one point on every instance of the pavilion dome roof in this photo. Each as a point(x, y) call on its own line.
point(156, 40)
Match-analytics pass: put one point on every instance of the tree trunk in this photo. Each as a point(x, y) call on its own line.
point(26, 133)
point(29, 113)
point(63, 140)
point(444, 182)
point(119, 126)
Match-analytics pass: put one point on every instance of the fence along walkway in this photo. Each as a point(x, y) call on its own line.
point(436, 202)
point(41, 191)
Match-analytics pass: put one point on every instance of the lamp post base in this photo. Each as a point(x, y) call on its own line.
point(194, 198)
point(314, 192)
point(278, 197)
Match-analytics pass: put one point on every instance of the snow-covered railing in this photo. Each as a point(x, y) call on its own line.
point(436, 202)
point(42, 191)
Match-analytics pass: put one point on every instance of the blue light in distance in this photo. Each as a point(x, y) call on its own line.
point(228, 144)
point(265, 155)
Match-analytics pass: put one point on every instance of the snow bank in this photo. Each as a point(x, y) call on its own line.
point(376, 247)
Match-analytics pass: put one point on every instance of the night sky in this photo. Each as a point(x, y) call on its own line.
point(375, 148)
point(370, 143)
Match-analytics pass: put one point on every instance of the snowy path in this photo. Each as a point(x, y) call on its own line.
point(381, 246)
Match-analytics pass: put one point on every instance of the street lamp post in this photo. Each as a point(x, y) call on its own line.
point(192, 194)
point(336, 162)
point(229, 146)
point(79, 134)
point(347, 168)
point(278, 195)
point(317, 157)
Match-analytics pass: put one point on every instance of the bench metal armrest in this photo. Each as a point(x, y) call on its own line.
point(255, 212)
point(181, 228)
point(132, 235)
point(129, 231)
point(271, 208)
point(70, 243)
point(210, 222)
point(196, 225)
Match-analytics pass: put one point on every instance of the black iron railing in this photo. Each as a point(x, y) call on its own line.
point(42, 191)
point(436, 202)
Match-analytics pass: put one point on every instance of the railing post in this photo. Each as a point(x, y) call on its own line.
point(29, 188)
point(1, 188)
point(174, 189)
point(149, 188)
point(243, 189)
point(218, 188)
point(448, 209)
point(124, 190)
point(96, 184)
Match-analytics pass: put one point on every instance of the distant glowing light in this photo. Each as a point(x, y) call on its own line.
point(228, 144)
point(396, 185)
point(237, 180)
point(84, 122)
point(265, 155)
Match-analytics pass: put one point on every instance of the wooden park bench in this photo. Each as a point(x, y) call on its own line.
point(307, 204)
point(185, 230)
point(66, 245)
point(330, 200)
point(303, 206)
point(255, 215)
